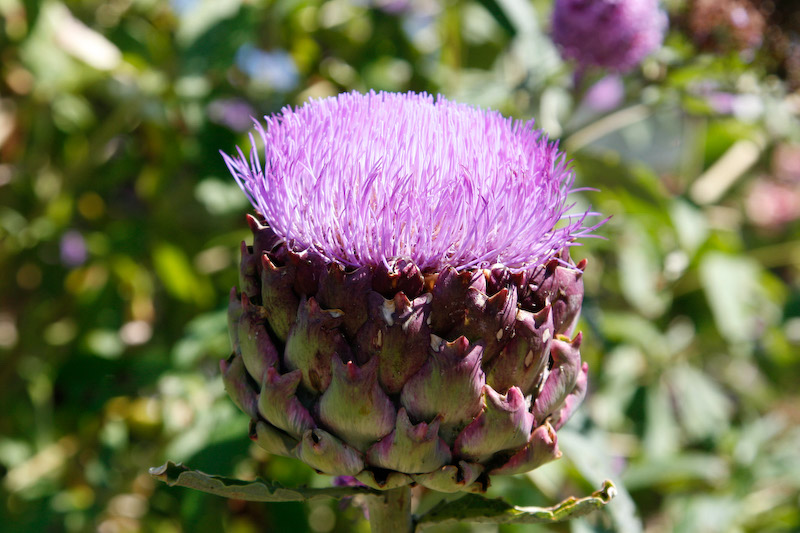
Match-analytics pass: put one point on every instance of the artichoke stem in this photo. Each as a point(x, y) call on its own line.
point(390, 511)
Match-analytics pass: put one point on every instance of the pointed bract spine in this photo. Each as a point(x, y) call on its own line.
point(541, 449)
point(452, 478)
point(312, 342)
point(412, 449)
point(354, 406)
point(450, 293)
point(279, 405)
point(399, 276)
point(573, 400)
point(489, 319)
point(238, 384)
point(348, 292)
point(278, 298)
point(321, 450)
point(397, 334)
point(521, 362)
point(561, 379)
point(448, 385)
point(272, 439)
point(504, 424)
point(258, 352)
point(248, 272)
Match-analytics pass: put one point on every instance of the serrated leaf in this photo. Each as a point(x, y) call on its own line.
point(254, 491)
point(476, 508)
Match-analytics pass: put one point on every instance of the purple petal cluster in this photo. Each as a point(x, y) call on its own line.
point(375, 178)
point(614, 34)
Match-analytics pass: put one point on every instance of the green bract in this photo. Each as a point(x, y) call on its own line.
point(395, 377)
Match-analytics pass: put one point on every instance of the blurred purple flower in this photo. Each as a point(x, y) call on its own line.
point(233, 113)
point(73, 249)
point(771, 204)
point(441, 183)
point(721, 102)
point(614, 34)
point(276, 69)
point(392, 7)
point(606, 94)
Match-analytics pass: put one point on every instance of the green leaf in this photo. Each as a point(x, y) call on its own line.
point(640, 271)
point(178, 276)
point(477, 508)
point(684, 469)
point(702, 407)
point(469, 508)
point(253, 491)
point(731, 286)
point(690, 225)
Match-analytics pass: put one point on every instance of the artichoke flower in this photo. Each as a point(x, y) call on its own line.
point(406, 311)
point(612, 34)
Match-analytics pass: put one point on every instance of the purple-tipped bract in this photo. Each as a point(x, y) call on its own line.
point(375, 178)
point(613, 34)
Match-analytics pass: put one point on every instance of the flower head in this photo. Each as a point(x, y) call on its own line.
point(376, 178)
point(376, 336)
point(614, 34)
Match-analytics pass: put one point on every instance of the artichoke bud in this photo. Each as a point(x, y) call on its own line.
point(405, 301)
point(355, 379)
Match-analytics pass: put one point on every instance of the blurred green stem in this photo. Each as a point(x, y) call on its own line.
point(390, 511)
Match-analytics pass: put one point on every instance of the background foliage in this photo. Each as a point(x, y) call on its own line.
point(119, 231)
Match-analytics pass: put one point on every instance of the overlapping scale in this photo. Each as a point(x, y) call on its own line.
point(395, 376)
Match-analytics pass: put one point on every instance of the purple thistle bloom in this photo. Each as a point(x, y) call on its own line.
point(614, 34)
point(73, 249)
point(606, 94)
point(376, 178)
